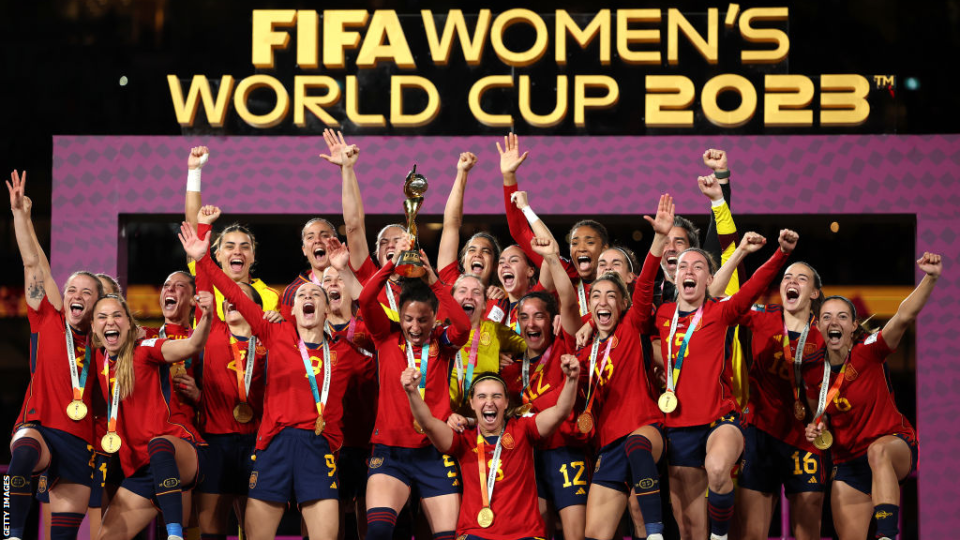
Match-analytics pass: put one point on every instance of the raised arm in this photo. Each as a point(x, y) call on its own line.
point(195, 162)
point(550, 418)
point(37, 279)
point(373, 315)
point(548, 250)
point(751, 243)
point(453, 212)
point(339, 256)
point(739, 303)
point(721, 234)
point(177, 350)
point(911, 306)
point(345, 156)
point(439, 433)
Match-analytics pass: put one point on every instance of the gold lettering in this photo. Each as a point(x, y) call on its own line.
point(308, 48)
point(315, 104)
point(581, 102)
point(353, 107)
point(677, 23)
point(265, 39)
point(397, 117)
point(764, 35)
point(600, 25)
point(335, 37)
point(725, 83)
point(547, 120)
point(476, 95)
point(785, 100)
point(843, 100)
point(668, 101)
point(186, 110)
point(626, 36)
point(472, 47)
point(385, 27)
point(262, 121)
point(509, 18)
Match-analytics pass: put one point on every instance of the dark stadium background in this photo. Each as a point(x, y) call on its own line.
point(63, 59)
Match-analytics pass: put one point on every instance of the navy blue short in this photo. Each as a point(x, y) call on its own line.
point(426, 469)
point(297, 465)
point(141, 481)
point(769, 463)
point(687, 446)
point(857, 472)
point(101, 467)
point(71, 460)
point(613, 468)
point(353, 472)
point(229, 462)
point(562, 476)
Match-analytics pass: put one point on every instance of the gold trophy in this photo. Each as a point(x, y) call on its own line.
point(409, 263)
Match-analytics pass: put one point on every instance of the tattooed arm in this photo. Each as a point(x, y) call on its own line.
point(36, 270)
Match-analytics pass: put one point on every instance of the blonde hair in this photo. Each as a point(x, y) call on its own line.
point(125, 377)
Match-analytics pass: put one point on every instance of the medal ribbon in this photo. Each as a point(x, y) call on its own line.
point(582, 298)
point(488, 480)
point(318, 397)
point(424, 361)
point(474, 351)
point(390, 298)
point(244, 369)
point(673, 374)
point(113, 407)
point(593, 363)
point(827, 397)
point(798, 360)
point(78, 382)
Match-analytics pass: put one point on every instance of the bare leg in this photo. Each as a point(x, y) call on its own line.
point(852, 510)
point(262, 519)
point(322, 518)
point(126, 516)
point(605, 506)
point(688, 488)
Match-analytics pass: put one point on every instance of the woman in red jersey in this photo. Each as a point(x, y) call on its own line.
point(54, 429)
point(499, 500)
point(776, 453)
point(702, 414)
point(620, 394)
point(300, 431)
point(402, 456)
point(158, 451)
point(873, 445)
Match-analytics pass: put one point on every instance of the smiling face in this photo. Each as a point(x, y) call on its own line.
point(607, 304)
point(416, 321)
point(387, 242)
point(613, 260)
point(837, 325)
point(176, 297)
point(586, 244)
point(693, 277)
point(314, 248)
point(79, 295)
point(798, 289)
point(515, 272)
point(489, 403)
point(536, 325)
point(235, 255)
point(333, 284)
point(469, 293)
point(478, 258)
point(677, 241)
point(230, 312)
point(111, 324)
point(309, 306)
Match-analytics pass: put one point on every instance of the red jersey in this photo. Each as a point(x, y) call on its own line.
point(286, 299)
point(514, 502)
point(182, 408)
point(772, 379)
point(863, 410)
point(625, 393)
point(394, 426)
point(360, 401)
point(543, 392)
point(288, 396)
point(50, 389)
point(146, 412)
point(705, 388)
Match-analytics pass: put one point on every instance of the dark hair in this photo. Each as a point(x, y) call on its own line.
point(113, 281)
point(236, 227)
point(257, 299)
point(711, 262)
point(465, 408)
point(326, 297)
point(595, 225)
point(494, 279)
point(415, 290)
point(190, 278)
point(630, 256)
point(860, 331)
point(90, 275)
point(536, 270)
point(817, 302)
point(617, 281)
point(693, 233)
point(303, 231)
point(549, 301)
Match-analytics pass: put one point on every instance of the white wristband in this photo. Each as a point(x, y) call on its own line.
point(719, 202)
point(193, 180)
point(530, 215)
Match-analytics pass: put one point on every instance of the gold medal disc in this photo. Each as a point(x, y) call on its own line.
point(823, 440)
point(77, 410)
point(485, 517)
point(110, 443)
point(524, 409)
point(177, 369)
point(243, 413)
point(799, 410)
point(417, 427)
point(668, 402)
point(585, 422)
point(319, 425)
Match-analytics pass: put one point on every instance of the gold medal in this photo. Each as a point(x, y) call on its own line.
point(524, 409)
point(485, 517)
point(243, 413)
point(417, 427)
point(319, 425)
point(668, 402)
point(110, 442)
point(177, 369)
point(799, 410)
point(585, 422)
point(77, 410)
point(823, 440)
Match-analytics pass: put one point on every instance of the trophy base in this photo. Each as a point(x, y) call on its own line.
point(409, 265)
